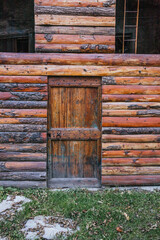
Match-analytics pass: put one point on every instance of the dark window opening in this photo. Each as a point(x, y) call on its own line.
point(138, 26)
point(17, 26)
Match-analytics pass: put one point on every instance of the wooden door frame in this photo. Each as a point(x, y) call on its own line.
point(77, 182)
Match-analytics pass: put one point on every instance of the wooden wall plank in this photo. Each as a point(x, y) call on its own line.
point(126, 170)
point(130, 146)
point(24, 147)
point(130, 131)
point(130, 138)
point(130, 98)
point(22, 128)
point(131, 106)
point(20, 79)
point(22, 166)
point(15, 87)
point(131, 153)
point(23, 184)
point(130, 162)
point(23, 113)
point(22, 137)
point(23, 104)
point(131, 80)
point(24, 96)
point(37, 121)
point(131, 113)
point(22, 176)
point(18, 156)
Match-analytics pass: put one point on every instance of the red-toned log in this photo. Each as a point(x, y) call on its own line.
point(131, 113)
point(16, 87)
point(23, 176)
point(37, 121)
point(76, 3)
point(24, 96)
point(74, 59)
point(23, 113)
point(22, 137)
point(131, 106)
point(130, 131)
point(130, 122)
point(130, 138)
point(131, 80)
point(136, 89)
point(23, 184)
point(18, 156)
point(76, 11)
point(22, 166)
point(130, 98)
point(70, 70)
point(22, 128)
point(20, 79)
point(126, 170)
point(131, 153)
point(131, 180)
point(130, 162)
point(23, 104)
point(130, 146)
point(105, 31)
point(75, 48)
point(24, 147)
point(74, 39)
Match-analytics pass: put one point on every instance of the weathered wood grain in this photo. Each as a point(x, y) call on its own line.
point(130, 138)
point(130, 98)
point(24, 96)
point(17, 87)
point(22, 137)
point(76, 11)
point(24, 147)
point(131, 113)
point(131, 80)
point(23, 184)
point(126, 170)
point(130, 131)
point(22, 176)
point(130, 122)
point(17, 156)
point(22, 128)
point(19, 79)
point(131, 180)
point(130, 162)
point(23, 113)
point(131, 106)
point(74, 48)
point(130, 146)
point(74, 39)
point(69, 70)
point(22, 166)
point(131, 153)
point(48, 19)
point(36, 121)
point(23, 104)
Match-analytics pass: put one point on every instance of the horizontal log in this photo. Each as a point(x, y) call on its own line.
point(74, 48)
point(20, 79)
point(49, 19)
point(131, 153)
point(130, 122)
point(24, 147)
point(23, 184)
point(24, 96)
point(36, 121)
point(18, 156)
point(22, 166)
point(130, 98)
point(131, 180)
point(106, 31)
point(23, 104)
point(23, 113)
point(23, 176)
point(74, 59)
point(130, 146)
point(16, 87)
point(22, 128)
point(76, 3)
point(131, 113)
point(74, 39)
point(130, 138)
point(74, 82)
point(131, 80)
point(69, 70)
point(76, 11)
point(23, 137)
point(130, 162)
point(131, 106)
point(110, 89)
point(128, 131)
point(130, 170)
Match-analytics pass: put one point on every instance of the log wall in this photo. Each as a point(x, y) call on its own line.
point(131, 115)
point(78, 26)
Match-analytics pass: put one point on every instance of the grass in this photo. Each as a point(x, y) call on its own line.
point(102, 215)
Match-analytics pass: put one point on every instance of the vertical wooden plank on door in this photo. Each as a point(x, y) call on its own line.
point(75, 131)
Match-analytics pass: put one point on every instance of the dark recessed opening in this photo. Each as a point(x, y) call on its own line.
point(138, 26)
point(17, 26)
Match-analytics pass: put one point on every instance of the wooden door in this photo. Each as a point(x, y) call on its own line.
point(74, 132)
